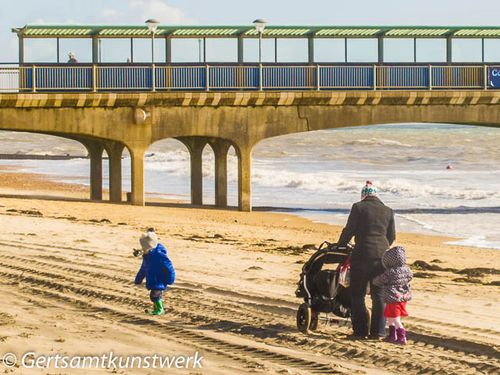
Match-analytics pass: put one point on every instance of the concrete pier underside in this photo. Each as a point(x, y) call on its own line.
point(113, 122)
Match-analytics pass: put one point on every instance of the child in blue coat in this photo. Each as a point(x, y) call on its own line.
point(157, 268)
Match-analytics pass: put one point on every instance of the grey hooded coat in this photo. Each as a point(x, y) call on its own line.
point(396, 277)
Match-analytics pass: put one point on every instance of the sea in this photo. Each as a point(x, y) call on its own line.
point(441, 179)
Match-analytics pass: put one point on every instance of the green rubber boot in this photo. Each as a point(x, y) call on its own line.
point(158, 310)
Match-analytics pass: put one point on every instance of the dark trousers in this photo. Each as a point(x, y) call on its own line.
point(362, 274)
point(155, 295)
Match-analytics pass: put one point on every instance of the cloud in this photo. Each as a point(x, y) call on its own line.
point(68, 21)
point(163, 12)
point(72, 21)
point(134, 12)
point(111, 14)
point(39, 21)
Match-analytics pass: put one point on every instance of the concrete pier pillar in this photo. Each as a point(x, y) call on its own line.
point(245, 179)
point(195, 146)
point(220, 147)
point(197, 176)
point(115, 150)
point(95, 149)
point(137, 179)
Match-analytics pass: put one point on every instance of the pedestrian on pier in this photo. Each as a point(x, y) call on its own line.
point(72, 59)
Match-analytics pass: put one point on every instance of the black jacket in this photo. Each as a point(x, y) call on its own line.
point(372, 225)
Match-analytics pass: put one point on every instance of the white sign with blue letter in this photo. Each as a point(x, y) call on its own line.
point(494, 76)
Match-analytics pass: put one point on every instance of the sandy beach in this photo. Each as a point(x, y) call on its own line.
point(67, 275)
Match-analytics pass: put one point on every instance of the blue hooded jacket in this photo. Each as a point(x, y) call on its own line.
point(157, 269)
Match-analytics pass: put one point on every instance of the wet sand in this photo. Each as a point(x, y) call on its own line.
point(66, 286)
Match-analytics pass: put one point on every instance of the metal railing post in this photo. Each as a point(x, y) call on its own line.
point(430, 77)
point(33, 78)
point(374, 76)
point(167, 73)
point(485, 77)
point(153, 78)
point(94, 78)
point(318, 78)
point(207, 77)
point(260, 77)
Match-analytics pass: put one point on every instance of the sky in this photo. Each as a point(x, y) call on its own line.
point(233, 12)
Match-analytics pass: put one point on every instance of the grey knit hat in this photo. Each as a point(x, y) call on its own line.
point(148, 240)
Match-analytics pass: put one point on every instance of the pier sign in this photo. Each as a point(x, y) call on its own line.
point(494, 76)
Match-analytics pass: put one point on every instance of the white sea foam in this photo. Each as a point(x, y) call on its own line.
point(419, 184)
point(177, 163)
point(420, 223)
point(327, 182)
point(378, 142)
point(409, 188)
point(476, 241)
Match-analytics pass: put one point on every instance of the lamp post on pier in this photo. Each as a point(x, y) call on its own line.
point(199, 50)
point(152, 27)
point(260, 25)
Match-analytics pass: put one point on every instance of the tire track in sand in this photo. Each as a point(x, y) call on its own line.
point(92, 293)
point(416, 322)
point(427, 326)
point(187, 336)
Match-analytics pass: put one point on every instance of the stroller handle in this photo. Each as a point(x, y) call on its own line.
point(336, 247)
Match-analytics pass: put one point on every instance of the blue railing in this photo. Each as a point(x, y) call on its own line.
point(142, 77)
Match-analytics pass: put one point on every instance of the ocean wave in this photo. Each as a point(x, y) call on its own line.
point(331, 182)
point(476, 241)
point(410, 189)
point(377, 142)
point(177, 163)
point(321, 182)
point(163, 157)
point(422, 224)
point(425, 186)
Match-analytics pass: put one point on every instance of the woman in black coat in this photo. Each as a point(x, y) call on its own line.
point(371, 223)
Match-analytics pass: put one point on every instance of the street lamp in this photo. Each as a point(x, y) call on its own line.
point(260, 25)
point(152, 27)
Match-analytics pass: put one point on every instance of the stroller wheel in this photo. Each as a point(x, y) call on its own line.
point(304, 318)
point(314, 320)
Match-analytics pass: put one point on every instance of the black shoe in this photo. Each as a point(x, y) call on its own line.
point(375, 338)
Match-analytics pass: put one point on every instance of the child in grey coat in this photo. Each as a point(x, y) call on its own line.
point(396, 282)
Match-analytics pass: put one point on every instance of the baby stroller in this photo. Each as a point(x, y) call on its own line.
point(324, 290)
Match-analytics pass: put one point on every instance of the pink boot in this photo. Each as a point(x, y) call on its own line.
point(391, 337)
point(401, 333)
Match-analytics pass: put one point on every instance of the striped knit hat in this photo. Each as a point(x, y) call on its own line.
point(148, 241)
point(368, 190)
